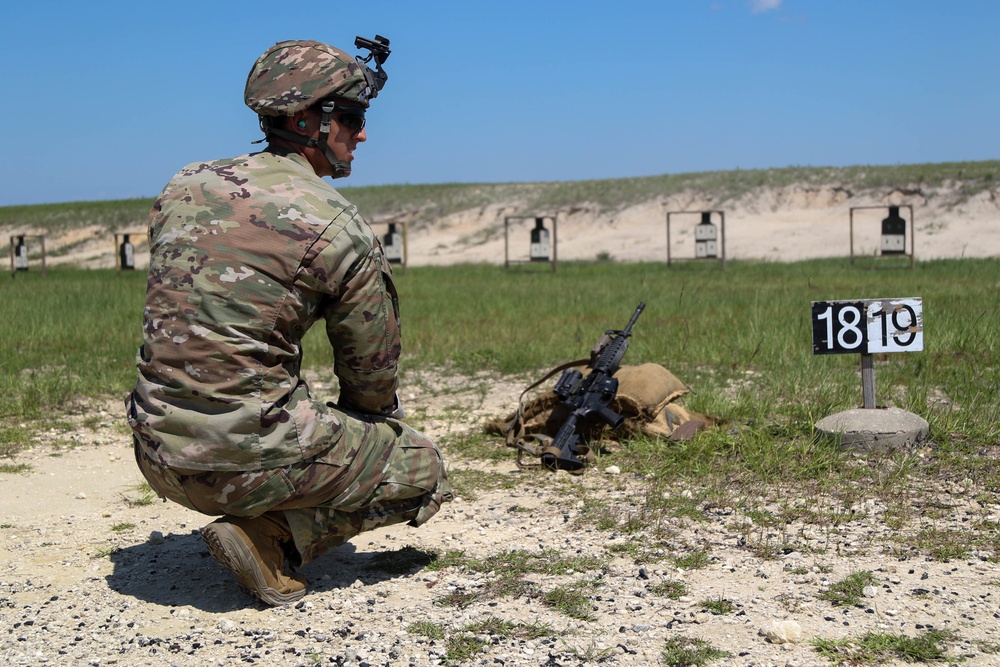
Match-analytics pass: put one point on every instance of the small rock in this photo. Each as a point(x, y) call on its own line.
point(155, 537)
point(81, 496)
point(869, 591)
point(697, 617)
point(612, 470)
point(226, 626)
point(782, 632)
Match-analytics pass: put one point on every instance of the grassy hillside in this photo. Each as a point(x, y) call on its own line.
point(427, 203)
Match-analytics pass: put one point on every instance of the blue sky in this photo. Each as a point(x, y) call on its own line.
point(106, 100)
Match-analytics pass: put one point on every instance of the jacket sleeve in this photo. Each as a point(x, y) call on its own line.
point(362, 319)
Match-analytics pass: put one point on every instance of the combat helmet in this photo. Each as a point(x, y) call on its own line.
point(294, 75)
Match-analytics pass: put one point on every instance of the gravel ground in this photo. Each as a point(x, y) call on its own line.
point(89, 578)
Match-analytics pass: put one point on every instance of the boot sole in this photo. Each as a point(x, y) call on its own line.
point(227, 547)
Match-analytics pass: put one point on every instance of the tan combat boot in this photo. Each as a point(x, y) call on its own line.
point(253, 550)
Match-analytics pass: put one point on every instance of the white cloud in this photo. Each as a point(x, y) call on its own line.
point(758, 6)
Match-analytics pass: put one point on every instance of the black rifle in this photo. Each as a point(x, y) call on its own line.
point(589, 396)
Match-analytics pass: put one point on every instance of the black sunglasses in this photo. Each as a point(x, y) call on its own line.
point(352, 119)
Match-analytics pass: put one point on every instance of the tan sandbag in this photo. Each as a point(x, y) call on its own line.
point(651, 392)
point(649, 385)
point(647, 399)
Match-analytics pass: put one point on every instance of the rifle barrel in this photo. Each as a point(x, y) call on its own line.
point(627, 331)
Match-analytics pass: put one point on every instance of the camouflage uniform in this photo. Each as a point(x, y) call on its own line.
point(245, 255)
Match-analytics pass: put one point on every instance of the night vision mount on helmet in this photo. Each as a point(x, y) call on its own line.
point(295, 75)
point(379, 50)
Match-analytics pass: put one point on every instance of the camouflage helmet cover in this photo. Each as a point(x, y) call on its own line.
point(293, 75)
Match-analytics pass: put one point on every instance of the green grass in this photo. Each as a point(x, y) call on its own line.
point(671, 589)
point(464, 643)
point(426, 629)
point(878, 648)
point(146, 495)
point(718, 606)
point(469, 483)
point(499, 627)
point(106, 552)
point(687, 651)
point(572, 601)
point(693, 560)
point(518, 562)
point(68, 337)
point(462, 647)
point(741, 338)
point(508, 569)
point(848, 591)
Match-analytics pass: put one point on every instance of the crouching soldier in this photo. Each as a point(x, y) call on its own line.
point(246, 254)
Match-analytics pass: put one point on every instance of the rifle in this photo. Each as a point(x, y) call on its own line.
point(589, 396)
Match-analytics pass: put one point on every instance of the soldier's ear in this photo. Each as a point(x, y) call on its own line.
point(300, 122)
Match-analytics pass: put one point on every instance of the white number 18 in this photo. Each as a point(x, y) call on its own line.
point(848, 327)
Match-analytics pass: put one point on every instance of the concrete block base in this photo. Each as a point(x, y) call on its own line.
point(877, 429)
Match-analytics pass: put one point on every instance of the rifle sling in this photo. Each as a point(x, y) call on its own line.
point(516, 436)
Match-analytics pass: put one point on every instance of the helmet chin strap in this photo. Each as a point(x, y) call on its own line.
point(341, 168)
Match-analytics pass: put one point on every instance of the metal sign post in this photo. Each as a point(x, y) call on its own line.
point(543, 247)
point(869, 326)
point(19, 252)
point(893, 233)
point(709, 239)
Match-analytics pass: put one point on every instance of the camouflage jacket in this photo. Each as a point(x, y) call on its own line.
point(245, 255)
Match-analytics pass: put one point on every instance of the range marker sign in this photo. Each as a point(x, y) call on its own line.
point(868, 326)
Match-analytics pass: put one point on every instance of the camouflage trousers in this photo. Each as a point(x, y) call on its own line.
point(381, 472)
